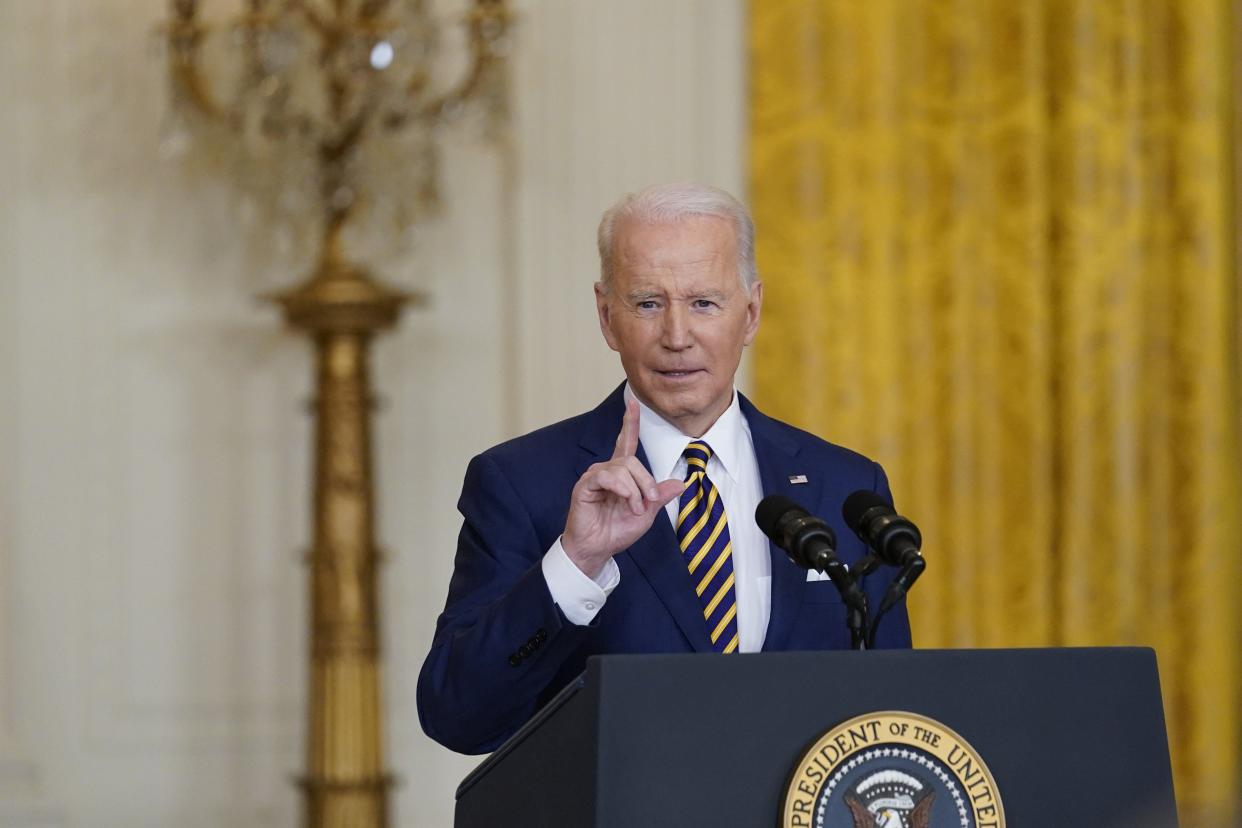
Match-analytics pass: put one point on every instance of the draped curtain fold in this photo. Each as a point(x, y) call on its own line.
point(997, 239)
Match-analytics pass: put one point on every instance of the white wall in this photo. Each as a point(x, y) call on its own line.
point(154, 449)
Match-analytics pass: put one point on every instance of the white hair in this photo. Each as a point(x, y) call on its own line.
point(671, 202)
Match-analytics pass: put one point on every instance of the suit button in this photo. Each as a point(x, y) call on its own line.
point(515, 659)
point(541, 636)
point(525, 650)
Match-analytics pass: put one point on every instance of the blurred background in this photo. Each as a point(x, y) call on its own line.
point(999, 242)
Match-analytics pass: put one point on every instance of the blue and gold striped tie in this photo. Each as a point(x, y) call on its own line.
point(703, 532)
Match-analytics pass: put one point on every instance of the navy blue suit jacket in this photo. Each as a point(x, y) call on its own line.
point(502, 648)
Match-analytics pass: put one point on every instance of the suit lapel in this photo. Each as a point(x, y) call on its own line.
point(777, 457)
point(655, 554)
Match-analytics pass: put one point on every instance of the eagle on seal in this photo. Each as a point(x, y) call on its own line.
point(920, 814)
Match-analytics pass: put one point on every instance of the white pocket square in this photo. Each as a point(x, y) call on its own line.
point(814, 575)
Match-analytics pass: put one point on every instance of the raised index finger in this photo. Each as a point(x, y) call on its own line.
point(627, 440)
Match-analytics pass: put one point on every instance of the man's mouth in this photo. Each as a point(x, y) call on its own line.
point(679, 373)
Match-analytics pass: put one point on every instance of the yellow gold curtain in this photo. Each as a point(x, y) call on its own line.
point(997, 240)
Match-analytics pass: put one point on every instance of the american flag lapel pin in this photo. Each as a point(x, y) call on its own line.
point(795, 479)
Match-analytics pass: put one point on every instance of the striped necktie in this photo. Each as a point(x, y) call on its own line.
point(703, 532)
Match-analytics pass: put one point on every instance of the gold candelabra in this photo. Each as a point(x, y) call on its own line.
point(329, 109)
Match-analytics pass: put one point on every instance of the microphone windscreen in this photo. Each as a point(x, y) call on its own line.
point(857, 504)
point(770, 511)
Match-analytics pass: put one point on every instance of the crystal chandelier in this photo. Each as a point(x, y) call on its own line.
point(326, 113)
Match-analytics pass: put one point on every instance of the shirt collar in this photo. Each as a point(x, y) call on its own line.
point(663, 443)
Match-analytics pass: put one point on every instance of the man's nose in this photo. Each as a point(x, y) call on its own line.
point(676, 334)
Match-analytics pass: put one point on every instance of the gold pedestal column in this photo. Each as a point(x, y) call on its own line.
point(308, 102)
point(346, 784)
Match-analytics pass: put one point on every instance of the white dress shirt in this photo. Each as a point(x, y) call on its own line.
point(735, 472)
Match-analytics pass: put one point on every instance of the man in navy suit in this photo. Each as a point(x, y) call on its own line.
point(573, 542)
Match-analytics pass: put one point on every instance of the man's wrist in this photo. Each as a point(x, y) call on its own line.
point(587, 564)
point(579, 596)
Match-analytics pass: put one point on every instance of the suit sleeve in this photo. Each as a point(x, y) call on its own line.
point(894, 629)
point(501, 639)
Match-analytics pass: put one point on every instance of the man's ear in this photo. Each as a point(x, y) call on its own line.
point(605, 314)
point(753, 307)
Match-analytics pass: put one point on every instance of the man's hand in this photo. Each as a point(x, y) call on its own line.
point(614, 503)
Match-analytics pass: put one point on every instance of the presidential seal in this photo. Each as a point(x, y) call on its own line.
point(892, 770)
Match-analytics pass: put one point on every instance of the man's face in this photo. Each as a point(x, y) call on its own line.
point(678, 315)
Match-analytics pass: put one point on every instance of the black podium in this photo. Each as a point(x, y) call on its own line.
point(1072, 737)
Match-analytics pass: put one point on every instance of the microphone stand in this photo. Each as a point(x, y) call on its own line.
point(861, 635)
point(857, 614)
point(856, 620)
point(897, 589)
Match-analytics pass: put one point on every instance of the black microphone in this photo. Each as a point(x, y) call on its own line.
point(810, 543)
point(895, 539)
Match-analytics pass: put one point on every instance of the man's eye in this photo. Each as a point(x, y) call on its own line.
point(647, 305)
point(704, 303)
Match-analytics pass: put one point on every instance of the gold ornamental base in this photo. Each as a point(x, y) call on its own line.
point(358, 804)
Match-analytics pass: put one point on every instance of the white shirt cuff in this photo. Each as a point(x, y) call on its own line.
point(578, 595)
